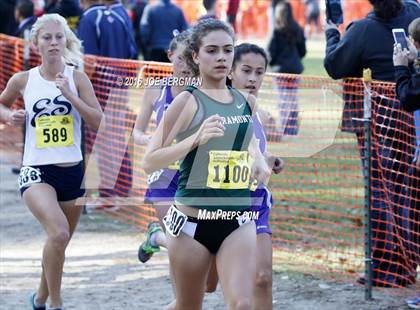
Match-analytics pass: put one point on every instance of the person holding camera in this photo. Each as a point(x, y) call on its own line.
point(407, 77)
point(368, 43)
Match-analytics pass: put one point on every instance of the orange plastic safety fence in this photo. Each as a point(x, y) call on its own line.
point(11, 62)
point(318, 199)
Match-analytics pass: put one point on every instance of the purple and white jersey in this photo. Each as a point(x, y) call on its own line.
point(259, 133)
point(163, 102)
point(162, 184)
point(261, 197)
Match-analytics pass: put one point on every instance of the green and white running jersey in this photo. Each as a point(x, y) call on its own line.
point(216, 175)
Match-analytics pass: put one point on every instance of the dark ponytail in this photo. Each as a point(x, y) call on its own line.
point(248, 48)
point(386, 9)
point(243, 49)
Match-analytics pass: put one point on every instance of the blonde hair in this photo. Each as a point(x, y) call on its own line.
point(72, 52)
point(414, 32)
point(281, 15)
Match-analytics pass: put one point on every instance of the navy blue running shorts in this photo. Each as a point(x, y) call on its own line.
point(67, 181)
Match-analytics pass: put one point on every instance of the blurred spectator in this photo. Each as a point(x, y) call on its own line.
point(271, 22)
point(138, 9)
point(121, 13)
point(407, 69)
point(69, 9)
point(89, 30)
point(24, 14)
point(157, 28)
point(368, 43)
point(39, 6)
point(312, 17)
point(275, 2)
point(104, 32)
point(8, 23)
point(232, 11)
point(49, 4)
point(210, 6)
point(287, 47)
point(407, 79)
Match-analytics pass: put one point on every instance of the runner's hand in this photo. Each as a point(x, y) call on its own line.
point(212, 127)
point(141, 138)
point(62, 83)
point(17, 117)
point(260, 171)
point(400, 56)
point(275, 163)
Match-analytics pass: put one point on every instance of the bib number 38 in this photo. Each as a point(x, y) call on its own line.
point(174, 221)
point(29, 175)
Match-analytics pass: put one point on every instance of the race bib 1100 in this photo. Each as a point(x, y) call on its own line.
point(228, 170)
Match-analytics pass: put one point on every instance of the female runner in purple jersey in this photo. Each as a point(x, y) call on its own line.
point(249, 66)
point(162, 184)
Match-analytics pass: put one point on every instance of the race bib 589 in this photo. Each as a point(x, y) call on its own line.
point(54, 131)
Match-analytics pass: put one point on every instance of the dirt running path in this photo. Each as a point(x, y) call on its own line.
point(102, 271)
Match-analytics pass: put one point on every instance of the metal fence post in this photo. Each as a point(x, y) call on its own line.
point(367, 119)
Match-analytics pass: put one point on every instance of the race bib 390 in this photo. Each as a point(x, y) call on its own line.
point(174, 221)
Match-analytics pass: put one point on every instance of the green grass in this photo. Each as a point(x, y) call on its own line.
point(322, 187)
point(313, 61)
point(318, 210)
point(330, 182)
point(319, 196)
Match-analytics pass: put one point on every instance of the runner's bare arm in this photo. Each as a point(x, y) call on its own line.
point(265, 117)
point(160, 151)
point(13, 90)
point(145, 113)
point(87, 105)
point(260, 170)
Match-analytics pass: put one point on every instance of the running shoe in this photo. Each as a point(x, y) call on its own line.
point(146, 250)
point(413, 303)
point(32, 299)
